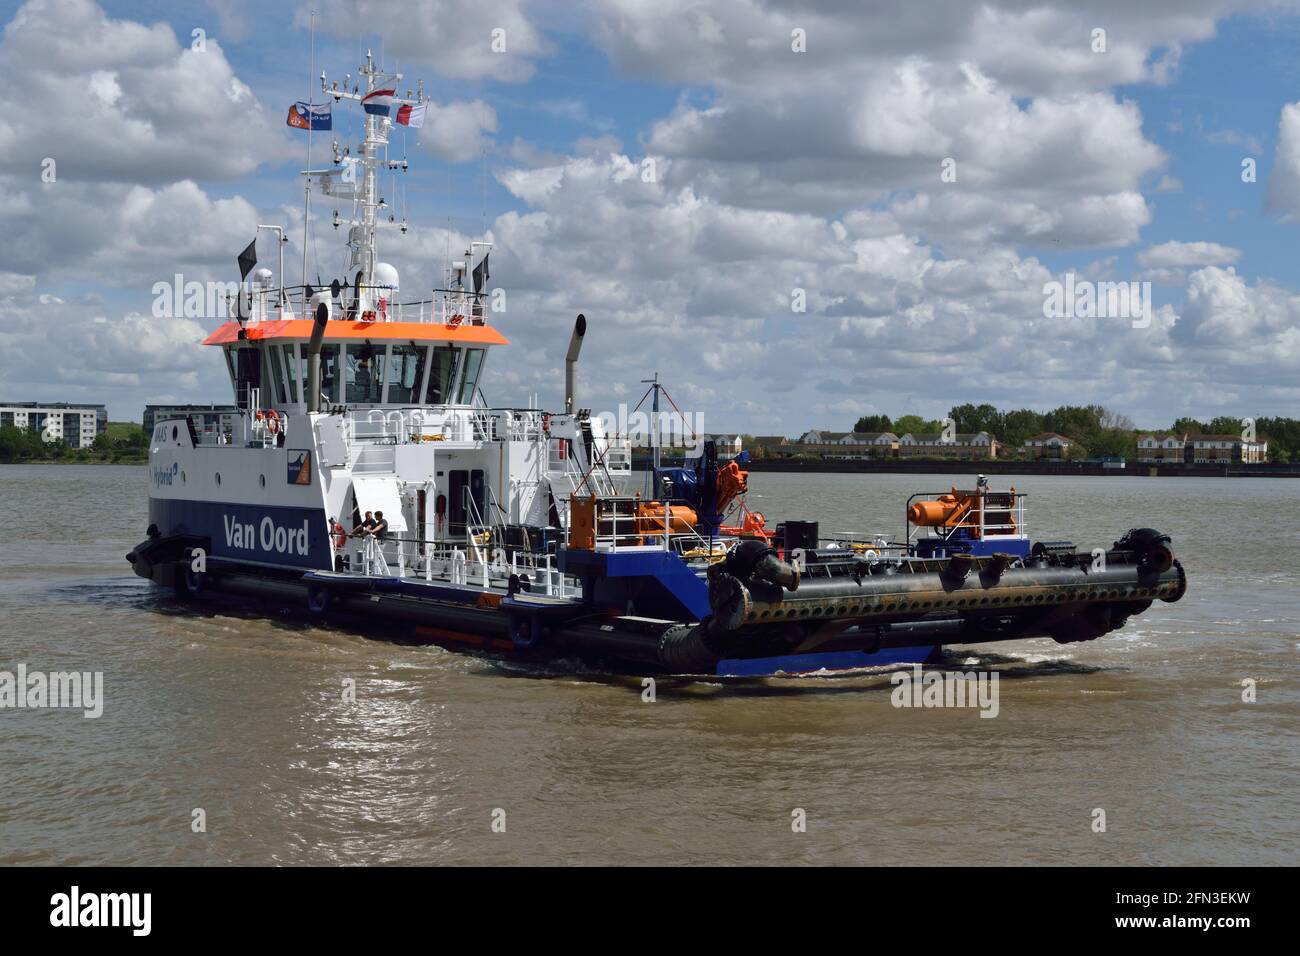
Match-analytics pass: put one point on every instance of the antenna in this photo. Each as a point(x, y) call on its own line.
point(306, 192)
point(654, 432)
point(376, 91)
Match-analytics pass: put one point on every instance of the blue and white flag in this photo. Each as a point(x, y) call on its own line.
point(310, 116)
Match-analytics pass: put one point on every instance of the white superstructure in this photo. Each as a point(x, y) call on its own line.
point(397, 423)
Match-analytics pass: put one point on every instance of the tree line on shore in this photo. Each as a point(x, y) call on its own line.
point(1097, 431)
point(120, 442)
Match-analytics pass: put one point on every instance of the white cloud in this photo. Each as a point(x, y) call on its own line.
point(13, 283)
point(1255, 328)
point(114, 100)
point(453, 38)
point(1232, 137)
point(1067, 169)
point(776, 172)
point(1184, 255)
point(51, 349)
point(455, 132)
point(1284, 179)
point(127, 236)
point(1043, 47)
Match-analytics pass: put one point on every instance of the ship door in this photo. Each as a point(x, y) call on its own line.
point(465, 499)
point(421, 515)
point(457, 483)
point(248, 375)
point(476, 488)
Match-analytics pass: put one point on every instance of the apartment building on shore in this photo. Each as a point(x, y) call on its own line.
point(79, 424)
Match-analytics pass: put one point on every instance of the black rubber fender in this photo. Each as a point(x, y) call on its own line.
point(686, 649)
point(193, 582)
point(319, 599)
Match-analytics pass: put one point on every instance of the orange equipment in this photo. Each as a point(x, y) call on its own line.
point(732, 482)
point(752, 525)
point(962, 509)
point(650, 518)
point(946, 510)
point(582, 523)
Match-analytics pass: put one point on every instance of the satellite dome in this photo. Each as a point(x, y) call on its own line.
point(386, 276)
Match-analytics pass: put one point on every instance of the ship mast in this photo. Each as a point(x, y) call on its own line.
point(361, 237)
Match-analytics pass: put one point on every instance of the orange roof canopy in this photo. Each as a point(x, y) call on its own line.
point(375, 331)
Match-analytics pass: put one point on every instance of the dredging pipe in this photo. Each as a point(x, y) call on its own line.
point(965, 587)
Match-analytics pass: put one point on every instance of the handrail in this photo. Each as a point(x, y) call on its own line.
point(641, 527)
point(445, 306)
point(1016, 508)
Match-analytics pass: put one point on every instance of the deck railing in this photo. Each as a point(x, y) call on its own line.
point(442, 307)
point(482, 564)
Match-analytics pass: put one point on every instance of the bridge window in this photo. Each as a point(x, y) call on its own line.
point(329, 372)
point(442, 373)
point(473, 365)
point(291, 368)
point(277, 376)
point(365, 374)
point(405, 369)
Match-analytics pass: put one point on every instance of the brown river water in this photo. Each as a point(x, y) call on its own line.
point(241, 714)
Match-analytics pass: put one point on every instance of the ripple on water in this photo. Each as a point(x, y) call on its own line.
point(244, 714)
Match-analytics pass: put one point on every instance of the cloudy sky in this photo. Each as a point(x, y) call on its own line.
point(771, 170)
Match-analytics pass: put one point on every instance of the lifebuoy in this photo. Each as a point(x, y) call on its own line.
point(456, 320)
point(273, 422)
point(546, 422)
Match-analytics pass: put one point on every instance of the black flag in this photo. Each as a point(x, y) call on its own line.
point(481, 275)
point(248, 259)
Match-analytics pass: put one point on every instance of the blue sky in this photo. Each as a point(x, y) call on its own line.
point(775, 172)
point(1236, 83)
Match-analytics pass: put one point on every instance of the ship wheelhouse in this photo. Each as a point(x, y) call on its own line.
point(363, 364)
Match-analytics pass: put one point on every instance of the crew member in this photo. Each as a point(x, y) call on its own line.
point(365, 527)
point(340, 535)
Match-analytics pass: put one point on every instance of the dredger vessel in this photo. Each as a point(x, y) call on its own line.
point(510, 530)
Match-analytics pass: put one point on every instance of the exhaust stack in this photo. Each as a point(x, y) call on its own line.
point(571, 364)
point(313, 358)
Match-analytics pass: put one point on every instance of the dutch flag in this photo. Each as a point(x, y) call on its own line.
point(379, 102)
